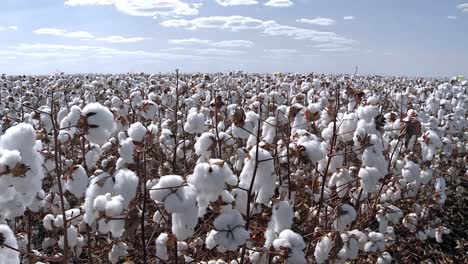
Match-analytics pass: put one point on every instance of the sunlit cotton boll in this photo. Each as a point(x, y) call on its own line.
point(229, 232)
point(7, 255)
point(294, 243)
point(100, 123)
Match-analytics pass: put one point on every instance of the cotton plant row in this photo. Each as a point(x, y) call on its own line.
point(229, 168)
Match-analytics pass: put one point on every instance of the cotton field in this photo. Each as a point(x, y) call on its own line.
point(233, 168)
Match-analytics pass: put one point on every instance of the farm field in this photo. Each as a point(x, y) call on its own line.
point(233, 167)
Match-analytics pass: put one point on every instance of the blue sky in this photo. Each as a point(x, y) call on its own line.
point(397, 37)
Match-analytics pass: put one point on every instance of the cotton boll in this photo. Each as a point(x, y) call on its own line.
point(230, 233)
point(99, 185)
point(345, 216)
point(376, 242)
point(126, 151)
point(161, 246)
point(100, 123)
point(369, 176)
point(19, 183)
point(312, 150)
point(8, 256)
point(119, 250)
point(281, 219)
point(385, 258)
point(72, 237)
point(203, 146)
point(93, 156)
point(209, 179)
point(411, 171)
point(294, 242)
point(265, 179)
point(439, 232)
point(137, 132)
point(195, 122)
point(77, 181)
point(322, 249)
point(347, 127)
point(173, 192)
point(126, 183)
point(410, 221)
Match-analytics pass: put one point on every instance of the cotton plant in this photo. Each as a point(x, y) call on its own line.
point(8, 246)
point(229, 231)
point(21, 171)
point(210, 180)
point(264, 183)
point(97, 123)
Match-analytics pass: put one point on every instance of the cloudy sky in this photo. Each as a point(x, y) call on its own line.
point(417, 37)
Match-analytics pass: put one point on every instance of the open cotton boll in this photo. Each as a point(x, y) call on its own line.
point(77, 181)
point(203, 146)
point(439, 232)
point(322, 249)
point(347, 127)
point(281, 219)
point(7, 255)
point(118, 251)
point(99, 123)
point(312, 150)
point(93, 156)
point(99, 185)
point(229, 229)
point(174, 193)
point(376, 242)
point(384, 258)
point(209, 179)
point(269, 129)
point(195, 122)
point(137, 132)
point(20, 182)
point(411, 171)
point(393, 214)
point(410, 221)
point(369, 177)
point(184, 223)
point(345, 216)
point(294, 243)
point(126, 183)
point(265, 178)
point(367, 112)
point(161, 246)
point(149, 109)
point(72, 237)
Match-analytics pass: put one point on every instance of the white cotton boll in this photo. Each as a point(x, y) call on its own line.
point(345, 216)
point(174, 193)
point(137, 132)
point(241, 199)
point(439, 232)
point(8, 256)
point(265, 179)
point(99, 185)
point(411, 171)
point(114, 206)
point(161, 246)
point(203, 146)
point(440, 185)
point(369, 176)
point(269, 129)
point(77, 182)
point(376, 242)
point(195, 122)
point(119, 250)
point(19, 187)
point(294, 242)
point(149, 109)
point(322, 249)
point(100, 123)
point(426, 176)
point(347, 127)
point(184, 223)
point(72, 237)
point(367, 112)
point(48, 222)
point(93, 156)
point(385, 258)
point(230, 232)
point(126, 183)
point(313, 150)
point(281, 219)
point(393, 214)
point(209, 179)
point(410, 221)
point(126, 151)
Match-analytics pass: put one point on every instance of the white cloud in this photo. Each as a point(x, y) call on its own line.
point(57, 50)
point(463, 7)
point(219, 52)
point(63, 33)
point(452, 17)
point(321, 21)
point(14, 28)
point(152, 8)
point(88, 2)
point(279, 3)
point(219, 44)
point(349, 18)
point(233, 23)
point(236, 2)
point(307, 34)
point(120, 39)
point(282, 52)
